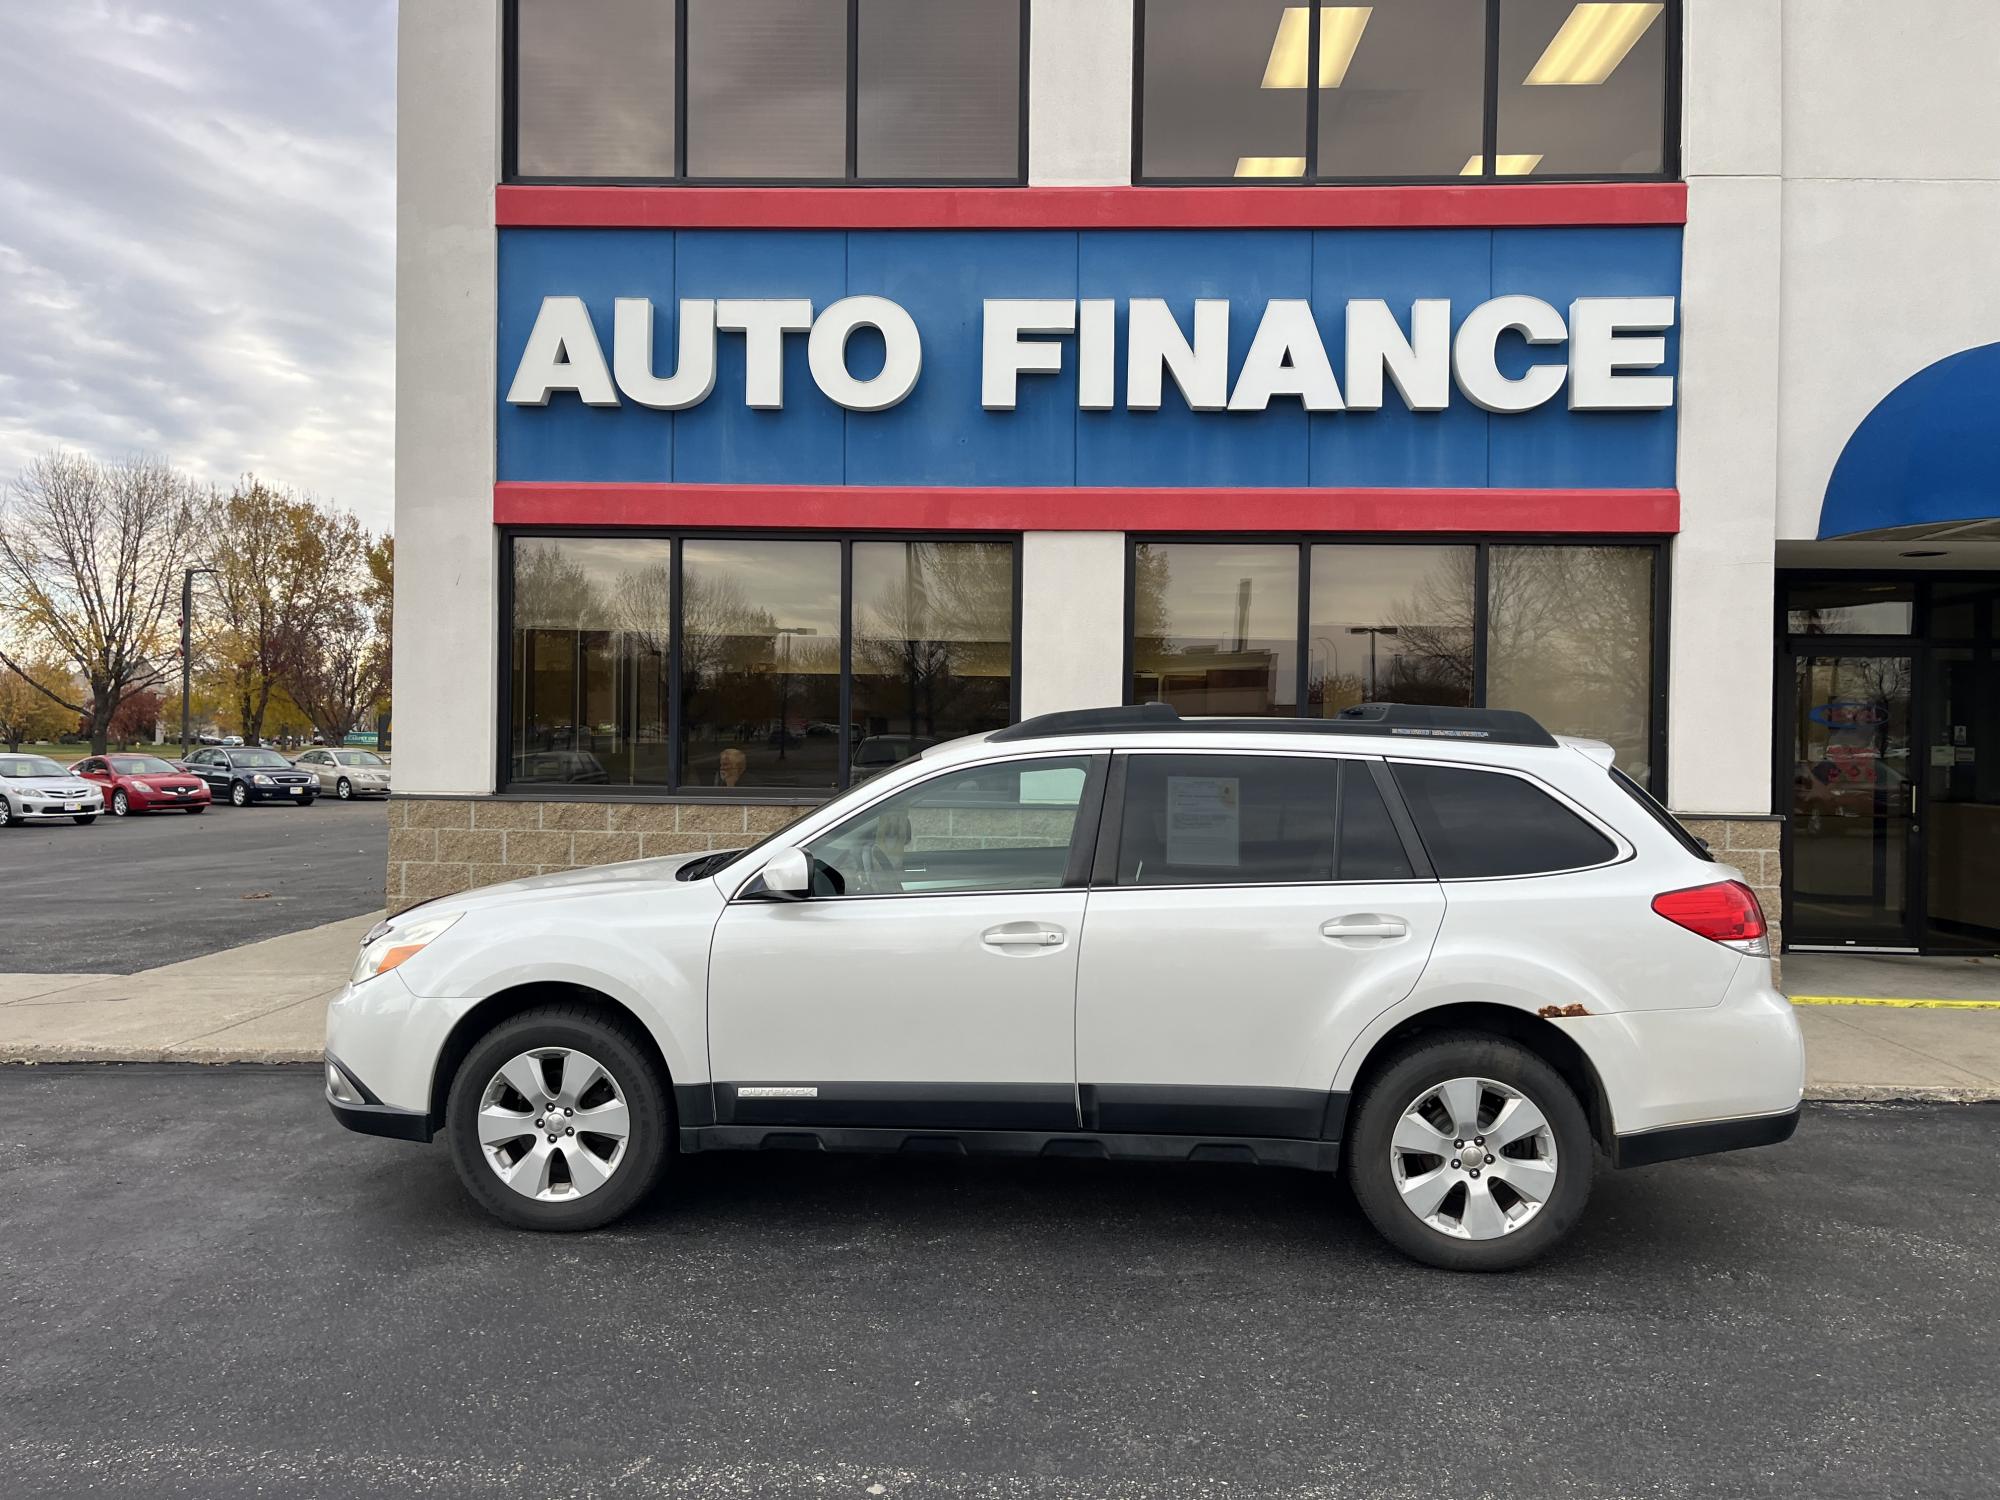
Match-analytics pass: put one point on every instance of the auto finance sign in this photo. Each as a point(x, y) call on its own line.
point(1532, 357)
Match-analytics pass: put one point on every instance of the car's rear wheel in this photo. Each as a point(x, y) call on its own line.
point(1470, 1152)
point(558, 1120)
point(121, 805)
point(239, 794)
point(344, 790)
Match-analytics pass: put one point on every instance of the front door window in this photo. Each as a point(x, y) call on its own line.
point(1853, 800)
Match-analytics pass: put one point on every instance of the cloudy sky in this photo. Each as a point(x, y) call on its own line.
point(197, 237)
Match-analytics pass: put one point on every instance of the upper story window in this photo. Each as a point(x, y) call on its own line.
point(800, 91)
point(1405, 90)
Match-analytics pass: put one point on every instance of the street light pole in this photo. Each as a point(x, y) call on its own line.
point(1372, 632)
point(187, 649)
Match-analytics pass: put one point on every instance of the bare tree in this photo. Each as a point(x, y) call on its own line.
point(90, 559)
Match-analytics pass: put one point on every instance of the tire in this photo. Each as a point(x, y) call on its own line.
point(198, 810)
point(344, 790)
point(618, 1049)
point(1381, 1168)
point(308, 800)
point(85, 821)
point(239, 794)
point(121, 805)
point(6, 813)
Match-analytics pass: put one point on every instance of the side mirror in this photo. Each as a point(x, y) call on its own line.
point(787, 877)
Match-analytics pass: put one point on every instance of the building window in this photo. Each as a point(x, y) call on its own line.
point(796, 91)
point(1569, 632)
point(1410, 90)
point(798, 665)
point(589, 658)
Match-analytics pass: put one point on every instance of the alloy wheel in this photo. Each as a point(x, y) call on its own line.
point(239, 795)
point(345, 790)
point(553, 1124)
point(120, 803)
point(1473, 1158)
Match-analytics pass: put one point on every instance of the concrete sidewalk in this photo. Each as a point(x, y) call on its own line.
point(262, 1002)
point(1876, 1028)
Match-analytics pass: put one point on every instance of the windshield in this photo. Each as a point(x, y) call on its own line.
point(141, 765)
point(268, 758)
point(17, 766)
point(357, 758)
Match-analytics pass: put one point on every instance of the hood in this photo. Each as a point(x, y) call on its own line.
point(620, 879)
point(62, 783)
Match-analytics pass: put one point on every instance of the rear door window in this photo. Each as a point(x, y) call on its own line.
point(1254, 820)
point(1480, 824)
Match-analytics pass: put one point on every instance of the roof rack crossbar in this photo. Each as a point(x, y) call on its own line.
point(1493, 726)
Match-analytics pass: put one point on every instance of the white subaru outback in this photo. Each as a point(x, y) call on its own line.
point(1441, 950)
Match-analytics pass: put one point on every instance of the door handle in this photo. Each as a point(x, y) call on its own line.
point(1365, 927)
point(1022, 937)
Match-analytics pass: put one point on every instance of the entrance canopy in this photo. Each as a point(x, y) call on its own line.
point(1927, 456)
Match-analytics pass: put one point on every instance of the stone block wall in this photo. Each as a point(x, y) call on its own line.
point(439, 846)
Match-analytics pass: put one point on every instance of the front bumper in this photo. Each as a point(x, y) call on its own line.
point(49, 810)
point(159, 801)
point(283, 793)
point(356, 1107)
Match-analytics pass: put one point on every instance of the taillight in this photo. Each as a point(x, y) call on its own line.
point(1725, 912)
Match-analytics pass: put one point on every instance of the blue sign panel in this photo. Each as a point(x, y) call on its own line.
point(1062, 428)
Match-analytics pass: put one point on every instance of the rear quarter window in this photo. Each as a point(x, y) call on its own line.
point(1481, 824)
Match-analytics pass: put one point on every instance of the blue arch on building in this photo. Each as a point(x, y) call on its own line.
point(1928, 453)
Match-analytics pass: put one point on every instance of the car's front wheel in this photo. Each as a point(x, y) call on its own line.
point(558, 1120)
point(344, 790)
point(85, 821)
point(121, 804)
point(1470, 1152)
point(239, 794)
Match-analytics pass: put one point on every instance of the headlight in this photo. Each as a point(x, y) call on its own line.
point(140, 786)
point(260, 779)
point(388, 945)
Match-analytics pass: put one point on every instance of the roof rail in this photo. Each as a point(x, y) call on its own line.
point(1493, 726)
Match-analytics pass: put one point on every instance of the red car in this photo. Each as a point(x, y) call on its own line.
point(143, 783)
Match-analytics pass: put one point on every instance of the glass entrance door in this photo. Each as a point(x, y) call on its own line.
point(1854, 799)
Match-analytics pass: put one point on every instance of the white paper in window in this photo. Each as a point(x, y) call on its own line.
point(1204, 821)
point(1059, 787)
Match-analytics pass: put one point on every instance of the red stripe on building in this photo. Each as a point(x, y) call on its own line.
point(1480, 206)
point(954, 508)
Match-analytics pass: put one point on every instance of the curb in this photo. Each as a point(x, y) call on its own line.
point(57, 1053)
point(1889, 1093)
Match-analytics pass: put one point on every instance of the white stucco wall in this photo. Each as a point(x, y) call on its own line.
point(447, 160)
point(1080, 93)
point(1072, 620)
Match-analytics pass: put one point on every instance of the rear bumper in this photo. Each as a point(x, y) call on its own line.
point(1673, 1142)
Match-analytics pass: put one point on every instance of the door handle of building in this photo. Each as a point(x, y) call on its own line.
point(1022, 937)
point(1368, 927)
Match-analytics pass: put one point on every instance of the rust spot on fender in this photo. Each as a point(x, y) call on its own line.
point(1559, 1012)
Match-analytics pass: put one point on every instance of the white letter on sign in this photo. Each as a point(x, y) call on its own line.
point(1420, 365)
point(1286, 358)
point(764, 322)
point(826, 351)
point(1599, 349)
point(1475, 350)
point(1153, 340)
point(1003, 356)
point(562, 355)
point(632, 354)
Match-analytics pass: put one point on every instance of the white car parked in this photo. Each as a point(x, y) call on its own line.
point(34, 789)
point(1440, 950)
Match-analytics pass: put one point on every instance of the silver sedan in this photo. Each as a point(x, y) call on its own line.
point(347, 773)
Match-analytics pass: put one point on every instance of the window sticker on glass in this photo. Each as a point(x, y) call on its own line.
point(1061, 787)
point(1204, 821)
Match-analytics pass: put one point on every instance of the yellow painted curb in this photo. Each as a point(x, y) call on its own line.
point(1900, 1004)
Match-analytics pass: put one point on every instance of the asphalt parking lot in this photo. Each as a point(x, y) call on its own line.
point(214, 1291)
point(132, 893)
